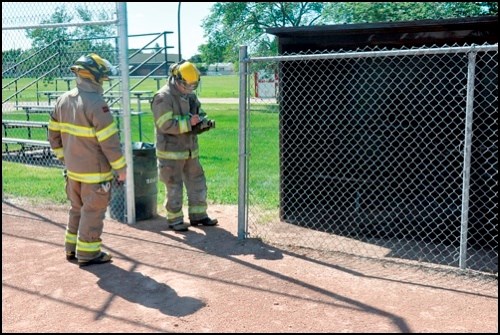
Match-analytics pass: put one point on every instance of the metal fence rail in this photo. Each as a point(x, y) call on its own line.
point(387, 154)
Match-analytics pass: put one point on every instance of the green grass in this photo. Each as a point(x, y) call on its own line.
point(210, 86)
point(218, 155)
point(218, 147)
point(219, 86)
point(40, 184)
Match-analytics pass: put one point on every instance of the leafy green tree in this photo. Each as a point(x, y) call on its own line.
point(10, 58)
point(54, 49)
point(196, 59)
point(41, 37)
point(90, 38)
point(11, 55)
point(364, 12)
point(231, 24)
point(491, 8)
point(217, 49)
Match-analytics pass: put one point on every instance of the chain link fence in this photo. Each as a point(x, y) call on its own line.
point(40, 42)
point(382, 154)
point(37, 52)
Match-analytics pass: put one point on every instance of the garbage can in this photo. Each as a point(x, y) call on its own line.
point(145, 186)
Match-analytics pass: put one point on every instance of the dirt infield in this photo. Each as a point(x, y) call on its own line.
point(206, 280)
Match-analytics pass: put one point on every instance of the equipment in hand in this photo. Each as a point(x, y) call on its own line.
point(204, 124)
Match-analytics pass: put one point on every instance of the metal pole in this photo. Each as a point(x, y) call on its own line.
point(242, 148)
point(179, 29)
point(467, 158)
point(123, 57)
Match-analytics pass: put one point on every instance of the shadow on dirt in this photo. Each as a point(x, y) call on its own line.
point(214, 240)
point(140, 289)
point(219, 242)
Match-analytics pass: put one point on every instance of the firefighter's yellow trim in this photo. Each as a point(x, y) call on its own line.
point(75, 130)
point(90, 178)
point(164, 118)
point(197, 209)
point(90, 247)
point(176, 155)
point(107, 132)
point(172, 215)
point(119, 163)
point(59, 152)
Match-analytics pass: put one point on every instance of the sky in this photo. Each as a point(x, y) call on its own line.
point(157, 17)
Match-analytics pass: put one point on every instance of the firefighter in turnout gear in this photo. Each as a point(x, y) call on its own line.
point(178, 120)
point(84, 136)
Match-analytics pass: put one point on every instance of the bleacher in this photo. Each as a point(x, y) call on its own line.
point(24, 103)
point(26, 143)
point(22, 138)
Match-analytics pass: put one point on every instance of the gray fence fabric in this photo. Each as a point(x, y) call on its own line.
point(389, 154)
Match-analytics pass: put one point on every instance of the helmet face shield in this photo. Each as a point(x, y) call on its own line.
point(112, 70)
point(188, 87)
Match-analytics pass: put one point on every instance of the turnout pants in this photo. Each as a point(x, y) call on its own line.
point(176, 174)
point(86, 217)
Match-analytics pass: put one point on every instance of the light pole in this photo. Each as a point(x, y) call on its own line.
point(179, 29)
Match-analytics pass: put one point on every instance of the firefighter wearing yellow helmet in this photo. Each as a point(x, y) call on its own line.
point(186, 75)
point(84, 136)
point(179, 119)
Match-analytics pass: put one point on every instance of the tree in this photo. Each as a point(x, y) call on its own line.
point(491, 8)
point(67, 42)
point(42, 37)
point(196, 59)
point(231, 24)
point(10, 58)
point(364, 12)
point(217, 49)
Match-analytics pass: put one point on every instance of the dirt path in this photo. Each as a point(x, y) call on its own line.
point(206, 280)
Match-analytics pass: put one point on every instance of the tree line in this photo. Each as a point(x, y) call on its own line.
point(231, 24)
point(227, 26)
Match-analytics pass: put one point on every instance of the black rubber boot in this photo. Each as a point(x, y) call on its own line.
point(103, 257)
point(181, 226)
point(205, 222)
point(70, 256)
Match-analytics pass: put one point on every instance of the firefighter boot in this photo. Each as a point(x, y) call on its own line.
point(205, 222)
